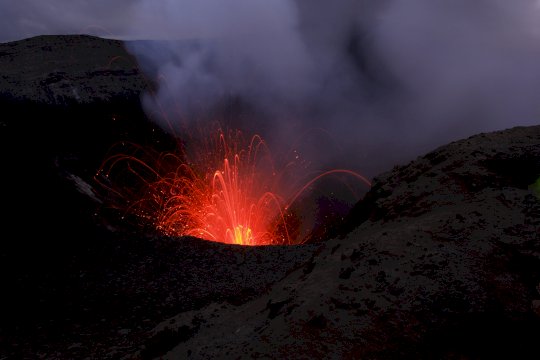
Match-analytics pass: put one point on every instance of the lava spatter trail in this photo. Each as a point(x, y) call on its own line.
point(223, 188)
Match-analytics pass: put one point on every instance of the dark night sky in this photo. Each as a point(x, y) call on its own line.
point(391, 79)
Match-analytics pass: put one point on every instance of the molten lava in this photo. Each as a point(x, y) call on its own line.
point(223, 195)
point(224, 189)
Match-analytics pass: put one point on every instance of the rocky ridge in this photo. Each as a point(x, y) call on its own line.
point(444, 263)
point(70, 69)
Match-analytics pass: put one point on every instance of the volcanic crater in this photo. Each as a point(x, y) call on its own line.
point(440, 258)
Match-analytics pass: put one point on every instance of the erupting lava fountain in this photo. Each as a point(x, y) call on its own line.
point(223, 189)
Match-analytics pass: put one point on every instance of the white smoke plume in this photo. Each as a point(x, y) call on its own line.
point(388, 79)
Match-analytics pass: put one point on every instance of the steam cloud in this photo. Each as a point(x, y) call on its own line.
point(390, 79)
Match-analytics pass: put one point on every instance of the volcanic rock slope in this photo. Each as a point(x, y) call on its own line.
point(443, 261)
point(68, 69)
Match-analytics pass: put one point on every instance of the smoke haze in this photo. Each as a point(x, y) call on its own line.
point(389, 80)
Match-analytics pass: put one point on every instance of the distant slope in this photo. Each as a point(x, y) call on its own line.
point(68, 68)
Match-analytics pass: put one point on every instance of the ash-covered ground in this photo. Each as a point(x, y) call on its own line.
point(441, 259)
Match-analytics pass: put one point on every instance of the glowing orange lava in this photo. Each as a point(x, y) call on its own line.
point(226, 190)
point(230, 200)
